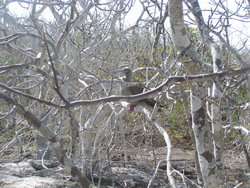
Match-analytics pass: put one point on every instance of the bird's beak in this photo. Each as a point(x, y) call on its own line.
point(120, 70)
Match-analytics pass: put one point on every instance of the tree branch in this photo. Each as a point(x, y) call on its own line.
point(182, 79)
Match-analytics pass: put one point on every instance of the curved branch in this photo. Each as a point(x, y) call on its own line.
point(28, 96)
point(189, 78)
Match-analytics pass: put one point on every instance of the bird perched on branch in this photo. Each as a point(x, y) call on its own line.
point(133, 90)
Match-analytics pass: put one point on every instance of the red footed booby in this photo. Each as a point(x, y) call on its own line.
point(133, 90)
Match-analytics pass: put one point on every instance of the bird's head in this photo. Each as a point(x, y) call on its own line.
point(128, 73)
point(124, 70)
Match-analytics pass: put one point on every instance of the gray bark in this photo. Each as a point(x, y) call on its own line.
point(200, 125)
point(216, 116)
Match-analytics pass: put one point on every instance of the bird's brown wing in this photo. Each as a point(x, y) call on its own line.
point(137, 90)
point(149, 102)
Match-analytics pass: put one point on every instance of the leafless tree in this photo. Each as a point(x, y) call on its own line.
point(57, 75)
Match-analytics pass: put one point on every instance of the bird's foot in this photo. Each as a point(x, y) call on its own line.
point(131, 107)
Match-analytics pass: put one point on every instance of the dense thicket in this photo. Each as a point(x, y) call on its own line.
point(59, 84)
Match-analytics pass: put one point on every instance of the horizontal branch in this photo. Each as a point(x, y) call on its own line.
point(9, 67)
point(28, 96)
point(188, 78)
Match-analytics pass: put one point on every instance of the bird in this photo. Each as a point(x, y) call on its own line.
point(134, 90)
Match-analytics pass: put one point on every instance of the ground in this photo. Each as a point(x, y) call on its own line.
point(19, 172)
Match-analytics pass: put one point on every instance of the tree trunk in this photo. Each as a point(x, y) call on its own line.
point(200, 125)
point(216, 116)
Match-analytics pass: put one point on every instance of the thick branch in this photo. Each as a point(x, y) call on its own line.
point(188, 78)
